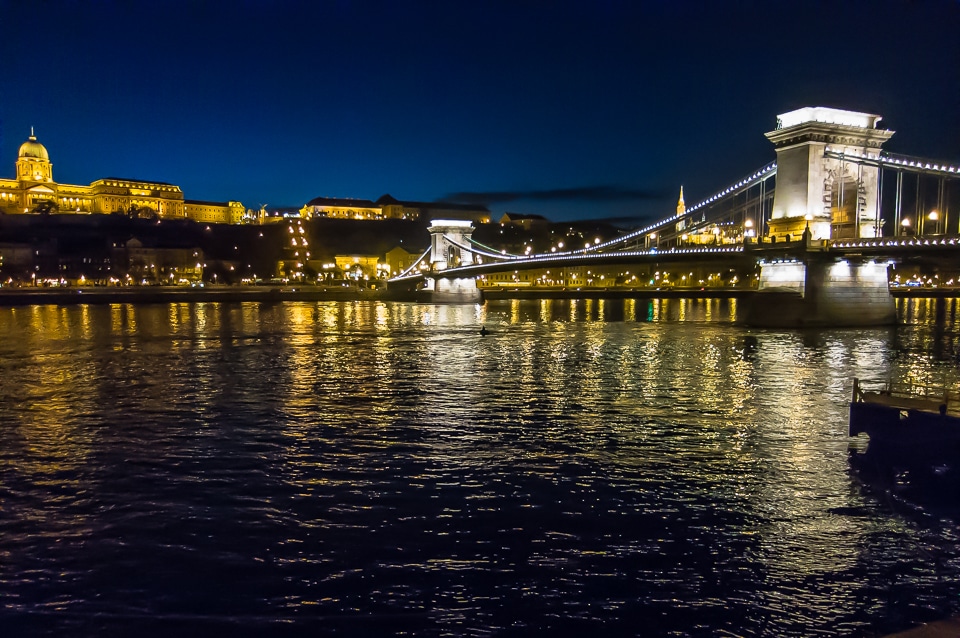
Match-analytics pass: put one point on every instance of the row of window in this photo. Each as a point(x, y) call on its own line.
point(157, 187)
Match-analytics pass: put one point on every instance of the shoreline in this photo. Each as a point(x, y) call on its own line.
point(263, 294)
point(177, 294)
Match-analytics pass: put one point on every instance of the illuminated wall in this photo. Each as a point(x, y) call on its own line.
point(214, 212)
point(791, 275)
point(115, 195)
point(831, 293)
point(857, 293)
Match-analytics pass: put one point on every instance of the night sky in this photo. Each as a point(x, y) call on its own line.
point(593, 109)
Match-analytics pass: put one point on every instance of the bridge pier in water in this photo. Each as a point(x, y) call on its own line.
point(449, 248)
point(818, 290)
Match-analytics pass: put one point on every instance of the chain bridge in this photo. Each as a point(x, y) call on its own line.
point(823, 232)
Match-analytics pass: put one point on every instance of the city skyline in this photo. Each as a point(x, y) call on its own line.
point(579, 111)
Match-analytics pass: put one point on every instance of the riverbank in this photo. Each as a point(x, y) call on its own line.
point(180, 294)
point(613, 293)
point(274, 294)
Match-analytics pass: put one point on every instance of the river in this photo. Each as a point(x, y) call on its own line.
point(625, 467)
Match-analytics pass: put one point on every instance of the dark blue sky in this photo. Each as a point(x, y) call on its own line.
point(620, 102)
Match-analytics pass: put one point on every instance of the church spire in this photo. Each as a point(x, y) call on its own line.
point(681, 207)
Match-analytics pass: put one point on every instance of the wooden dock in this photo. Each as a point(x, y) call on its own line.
point(949, 628)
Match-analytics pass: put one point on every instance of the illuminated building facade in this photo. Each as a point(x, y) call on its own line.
point(34, 191)
point(342, 208)
point(398, 260)
point(388, 207)
point(359, 267)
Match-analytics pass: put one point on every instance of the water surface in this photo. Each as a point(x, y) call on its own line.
point(631, 467)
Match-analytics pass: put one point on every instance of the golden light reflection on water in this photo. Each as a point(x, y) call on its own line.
point(736, 437)
point(653, 310)
point(545, 308)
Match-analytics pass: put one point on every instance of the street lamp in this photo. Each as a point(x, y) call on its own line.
point(934, 216)
point(906, 226)
point(748, 225)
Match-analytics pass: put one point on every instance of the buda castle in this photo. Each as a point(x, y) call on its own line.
point(34, 191)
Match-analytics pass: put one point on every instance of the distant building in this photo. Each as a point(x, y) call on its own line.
point(275, 215)
point(681, 210)
point(441, 210)
point(358, 267)
point(34, 191)
point(398, 260)
point(159, 265)
point(389, 207)
point(341, 208)
point(15, 256)
point(214, 212)
point(395, 209)
point(527, 222)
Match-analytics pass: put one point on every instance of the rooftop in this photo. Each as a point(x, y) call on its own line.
point(827, 116)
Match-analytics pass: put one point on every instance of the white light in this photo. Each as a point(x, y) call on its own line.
point(827, 116)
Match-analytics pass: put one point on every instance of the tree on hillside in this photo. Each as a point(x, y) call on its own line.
point(46, 207)
point(141, 212)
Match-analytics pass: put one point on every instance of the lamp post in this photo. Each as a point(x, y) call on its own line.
point(934, 216)
point(905, 226)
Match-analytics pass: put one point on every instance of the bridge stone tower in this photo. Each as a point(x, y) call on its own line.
point(816, 185)
point(447, 236)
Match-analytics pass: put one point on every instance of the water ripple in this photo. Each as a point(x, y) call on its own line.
point(380, 468)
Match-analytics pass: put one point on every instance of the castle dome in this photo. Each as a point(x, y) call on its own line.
point(33, 149)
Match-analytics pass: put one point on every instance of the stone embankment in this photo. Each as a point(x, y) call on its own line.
point(180, 294)
point(271, 294)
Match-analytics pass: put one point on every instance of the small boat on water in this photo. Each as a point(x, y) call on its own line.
point(916, 422)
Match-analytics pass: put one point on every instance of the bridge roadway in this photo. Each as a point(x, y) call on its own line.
point(894, 249)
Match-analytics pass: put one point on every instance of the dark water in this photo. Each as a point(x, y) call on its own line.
point(616, 468)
